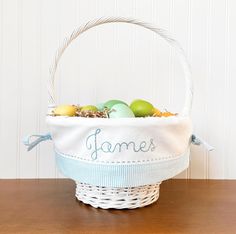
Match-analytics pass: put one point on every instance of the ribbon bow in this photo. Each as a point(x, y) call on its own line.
point(38, 138)
point(196, 140)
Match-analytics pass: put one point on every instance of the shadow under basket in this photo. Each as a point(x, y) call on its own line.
point(117, 198)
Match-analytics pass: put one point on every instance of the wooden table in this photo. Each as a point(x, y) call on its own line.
point(184, 206)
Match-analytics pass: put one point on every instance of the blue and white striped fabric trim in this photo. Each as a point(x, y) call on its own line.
point(121, 175)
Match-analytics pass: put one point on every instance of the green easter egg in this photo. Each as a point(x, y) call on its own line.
point(121, 111)
point(109, 104)
point(89, 108)
point(142, 108)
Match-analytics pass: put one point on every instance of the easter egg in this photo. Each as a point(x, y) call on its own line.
point(65, 110)
point(100, 106)
point(121, 111)
point(142, 108)
point(109, 104)
point(89, 108)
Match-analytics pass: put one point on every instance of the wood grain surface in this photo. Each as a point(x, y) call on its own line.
point(184, 206)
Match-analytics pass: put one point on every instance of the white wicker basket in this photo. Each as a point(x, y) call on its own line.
point(127, 177)
point(117, 198)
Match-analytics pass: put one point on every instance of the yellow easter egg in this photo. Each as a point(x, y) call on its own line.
point(65, 110)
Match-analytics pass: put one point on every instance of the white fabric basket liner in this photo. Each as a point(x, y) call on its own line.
point(121, 152)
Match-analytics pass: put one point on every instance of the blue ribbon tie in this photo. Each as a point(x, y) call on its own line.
point(38, 138)
point(196, 140)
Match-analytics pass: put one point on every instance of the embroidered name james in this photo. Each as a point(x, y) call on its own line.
point(108, 147)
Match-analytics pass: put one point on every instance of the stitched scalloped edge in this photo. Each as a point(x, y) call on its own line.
point(120, 162)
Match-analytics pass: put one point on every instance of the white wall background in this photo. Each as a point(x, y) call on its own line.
point(117, 61)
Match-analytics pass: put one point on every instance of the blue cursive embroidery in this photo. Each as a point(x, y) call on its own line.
point(108, 147)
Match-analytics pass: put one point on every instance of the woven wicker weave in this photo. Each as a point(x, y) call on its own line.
point(117, 198)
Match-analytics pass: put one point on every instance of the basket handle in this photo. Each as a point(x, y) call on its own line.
point(162, 33)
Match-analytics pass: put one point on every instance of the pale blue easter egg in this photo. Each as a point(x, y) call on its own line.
point(109, 104)
point(100, 106)
point(121, 111)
